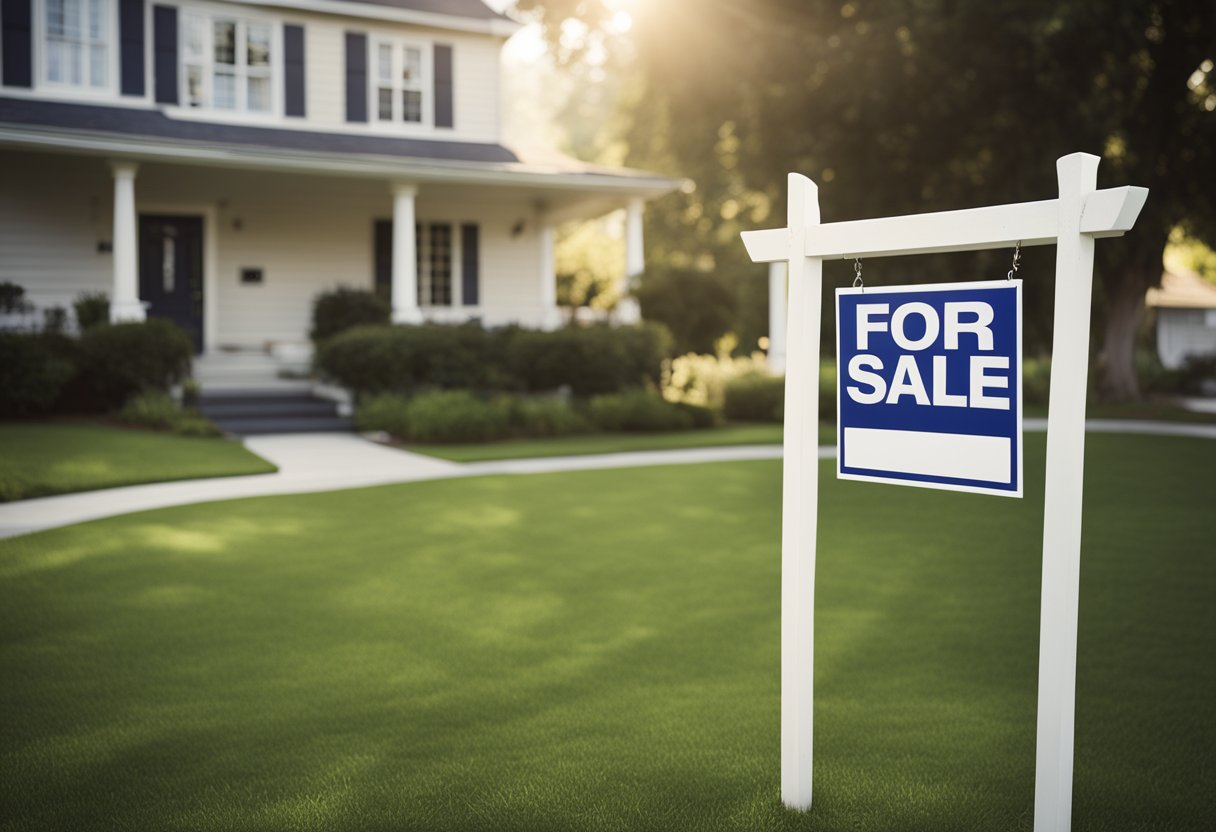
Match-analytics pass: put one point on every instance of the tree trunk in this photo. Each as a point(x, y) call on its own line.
point(1125, 309)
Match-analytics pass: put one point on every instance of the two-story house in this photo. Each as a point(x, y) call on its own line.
point(220, 163)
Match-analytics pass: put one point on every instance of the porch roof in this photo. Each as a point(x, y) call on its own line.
point(151, 135)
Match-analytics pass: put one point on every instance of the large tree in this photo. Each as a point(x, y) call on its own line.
point(918, 105)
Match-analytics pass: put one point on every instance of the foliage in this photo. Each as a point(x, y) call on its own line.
point(54, 320)
point(755, 398)
point(698, 307)
point(338, 310)
point(92, 309)
point(590, 258)
point(589, 360)
point(702, 379)
point(116, 361)
point(12, 299)
point(33, 372)
point(157, 409)
point(436, 416)
point(402, 359)
point(640, 410)
point(543, 416)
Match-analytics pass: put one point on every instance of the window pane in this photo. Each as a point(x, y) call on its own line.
point(411, 71)
point(258, 47)
point(411, 105)
point(441, 265)
point(71, 18)
point(97, 20)
point(75, 71)
point(168, 263)
point(258, 100)
point(225, 43)
point(384, 108)
point(196, 34)
point(224, 90)
point(54, 18)
point(384, 62)
point(194, 86)
point(97, 66)
point(54, 61)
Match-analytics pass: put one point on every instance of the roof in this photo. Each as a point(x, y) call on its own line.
point(456, 8)
point(1182, 290)
point(458, 15)
point(155, 124)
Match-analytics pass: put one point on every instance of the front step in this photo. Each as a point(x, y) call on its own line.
point(261, 412)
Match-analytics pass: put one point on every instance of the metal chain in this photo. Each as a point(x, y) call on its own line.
point(1017, 260)
point(858, 283)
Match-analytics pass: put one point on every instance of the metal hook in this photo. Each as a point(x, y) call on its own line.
point(858, 283)
point(1017, 260)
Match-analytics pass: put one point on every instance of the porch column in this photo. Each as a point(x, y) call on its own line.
point(124, 297)
point(405, 263)
point(776, 317)
point(550, 316)
point(627, 310)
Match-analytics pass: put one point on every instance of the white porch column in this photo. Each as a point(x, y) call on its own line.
point(776, 316)
point(124, 298)
point(550, 316)
point(627, 310)
point(405, 264)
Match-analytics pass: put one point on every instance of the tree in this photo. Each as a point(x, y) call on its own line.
point(918, 105)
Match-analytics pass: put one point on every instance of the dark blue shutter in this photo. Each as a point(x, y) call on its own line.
point(469, 264)
point(18, 42)
point(131, 46)
point(293, 65)
point(164, 44)
point(443, 86)
point(356, 76)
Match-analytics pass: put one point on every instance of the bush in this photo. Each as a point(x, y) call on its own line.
point(403, 359)
point(545, 417)
point(344, 308)
point(639, 410)
point(54, 320)
point(698, 307)
point(755, 398)
point(119, 360)
point(437, 416)
point(92, 309)
point(34, 369)
point(590, 360)
point(702, 379)
point(383, 412)
point(156, 409)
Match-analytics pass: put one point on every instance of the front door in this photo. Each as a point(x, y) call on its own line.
point(171, 271)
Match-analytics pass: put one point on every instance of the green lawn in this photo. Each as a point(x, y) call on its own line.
point(599, 651)
point(37, 459)
point(611, 443)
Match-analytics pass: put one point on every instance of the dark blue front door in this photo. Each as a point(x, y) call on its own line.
point(171, 271)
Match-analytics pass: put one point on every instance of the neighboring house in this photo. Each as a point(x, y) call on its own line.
point(1186, 318)
point(220, 163)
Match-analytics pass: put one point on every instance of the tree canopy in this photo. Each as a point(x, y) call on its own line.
point(914, 105)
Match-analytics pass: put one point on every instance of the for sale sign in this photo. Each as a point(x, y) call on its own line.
point(929, 385)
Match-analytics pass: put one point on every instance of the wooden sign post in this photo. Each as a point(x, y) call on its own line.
point(1072, 221)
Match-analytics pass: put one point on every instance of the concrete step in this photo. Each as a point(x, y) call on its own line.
point(261, 407)
point(253, 386)
point(285, 424)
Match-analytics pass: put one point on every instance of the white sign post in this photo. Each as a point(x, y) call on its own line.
point(1072, 221)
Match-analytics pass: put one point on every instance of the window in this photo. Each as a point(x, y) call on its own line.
point(434, 260)
point(76, 36)
point(397, 83)
point(228, 64)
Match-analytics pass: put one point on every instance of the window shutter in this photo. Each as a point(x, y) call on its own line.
point(293, 65)
point(470, 264)
point(164, 44)
point(382, 258)
point(443, 86)
point(18, 42)
point(356, 76)
point(131, 46)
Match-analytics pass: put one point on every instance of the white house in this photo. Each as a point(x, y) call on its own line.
point(220, 163)
point(1186, 318)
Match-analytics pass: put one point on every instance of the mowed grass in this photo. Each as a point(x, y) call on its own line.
point(600, 651)
point(38, 459)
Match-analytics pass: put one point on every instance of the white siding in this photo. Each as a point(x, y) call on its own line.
point(307, 234)
point(1182, 333)
point(324, 72)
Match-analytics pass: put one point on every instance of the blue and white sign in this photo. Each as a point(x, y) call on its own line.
point(929, 385)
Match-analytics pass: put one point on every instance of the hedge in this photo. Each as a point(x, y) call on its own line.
point(344, 308)
point(34, 369)
point(755, 398)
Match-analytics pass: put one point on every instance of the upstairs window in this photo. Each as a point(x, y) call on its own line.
point(398, 83)
point(77, 35)
point(228, 64)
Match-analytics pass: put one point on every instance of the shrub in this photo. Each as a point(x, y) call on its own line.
point(12, 299)
point(157, 409)
point(54, 320)
point(119, 360)
point(437, 416)
point(702, 379)
point(344, 308)
point(383, 411)
point(590, 360)
point(545, 417)
point(92, 309)
point(638, 410)
point(698, 307)
point(755, 398)
point(34, 370)
point(402, 359)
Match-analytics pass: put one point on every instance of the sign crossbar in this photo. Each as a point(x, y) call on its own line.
point(1080, 215)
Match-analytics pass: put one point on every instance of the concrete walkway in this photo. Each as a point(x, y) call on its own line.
point(329, 462)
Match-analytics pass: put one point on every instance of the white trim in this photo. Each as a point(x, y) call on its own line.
point(342, 8)
point(210, 252)
point(242, 17)
point(397, 43)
